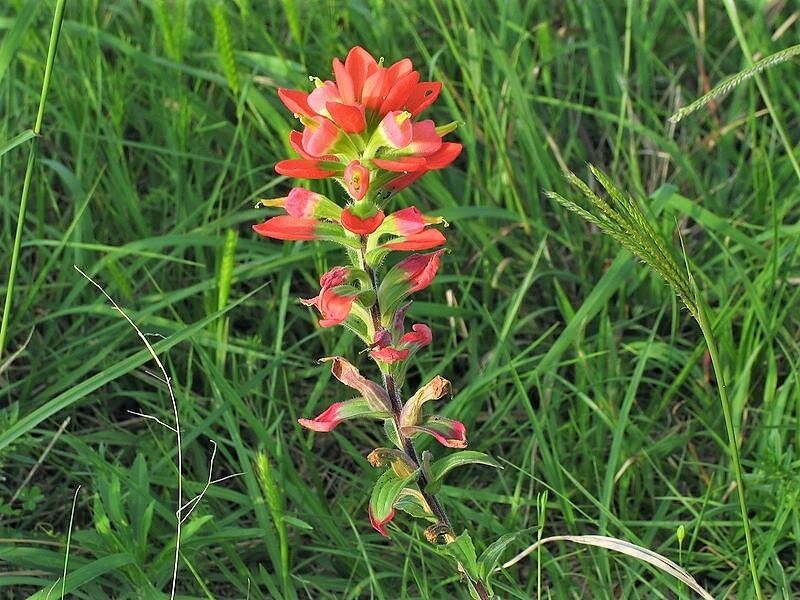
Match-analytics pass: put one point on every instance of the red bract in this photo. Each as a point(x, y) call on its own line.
point(303, 168)
point(361, 226)
point(389, 355)
point(424, 240)
point(420, 269)
point(286, 227)
point(420, 335)
point(408, 221)
point(356, 180)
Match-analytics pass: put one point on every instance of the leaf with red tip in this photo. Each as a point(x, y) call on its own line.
point(433, 390)
point(384, 494)
point(343, 411)
point(448, 432)
point(350, 376)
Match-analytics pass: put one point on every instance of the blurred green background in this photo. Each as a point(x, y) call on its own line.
point(573, 365)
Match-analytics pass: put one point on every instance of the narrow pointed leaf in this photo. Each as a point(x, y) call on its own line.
point(444, 465)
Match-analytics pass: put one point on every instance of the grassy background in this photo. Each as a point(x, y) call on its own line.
point(573, 365)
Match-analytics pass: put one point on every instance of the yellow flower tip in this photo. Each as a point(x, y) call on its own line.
point(316, 81)
point(264, 202)
point(402, 117)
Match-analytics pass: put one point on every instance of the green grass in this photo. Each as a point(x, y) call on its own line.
point(574, 365)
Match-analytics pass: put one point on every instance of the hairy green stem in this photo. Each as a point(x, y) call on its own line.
point(58, 17)
point(705, 326)
point(396, 402)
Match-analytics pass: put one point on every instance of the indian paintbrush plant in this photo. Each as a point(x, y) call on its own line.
point(363, 129)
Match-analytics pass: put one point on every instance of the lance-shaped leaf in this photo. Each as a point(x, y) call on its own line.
point(444, 465)
point(433, 390)
point(384, 495)
point(350, 376)
point(343, 411)
point(462, 550)
point(448, 432)
point(491, 556)
point(413, 503)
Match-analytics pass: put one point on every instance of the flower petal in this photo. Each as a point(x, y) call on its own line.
point(361, 226)
point(389, 355)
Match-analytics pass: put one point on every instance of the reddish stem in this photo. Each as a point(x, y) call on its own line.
point(408, 444)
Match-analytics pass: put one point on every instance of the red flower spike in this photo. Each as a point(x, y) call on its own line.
point(420, 269)
point(356, 180)
point(420, 335)
point(423, 95)
point(286, 227)
point(424, 240)
point(303, 169)
point(401, 164)
point(389, 355)
point(380, 526)
point(333, 308)
point(361, 226)
point(349, 117)
point(296, 101)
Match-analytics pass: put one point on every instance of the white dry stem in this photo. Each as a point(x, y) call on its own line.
point(623, 547)
point(176, 430)
point(69, 539)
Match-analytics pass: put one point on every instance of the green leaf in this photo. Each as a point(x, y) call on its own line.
point(491, 556)
point(462, 550)
point(409, 502)
point(16, 141)
point(458, 459)
point(386, 491)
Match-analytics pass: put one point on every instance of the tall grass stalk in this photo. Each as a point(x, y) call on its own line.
point(55, 32)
